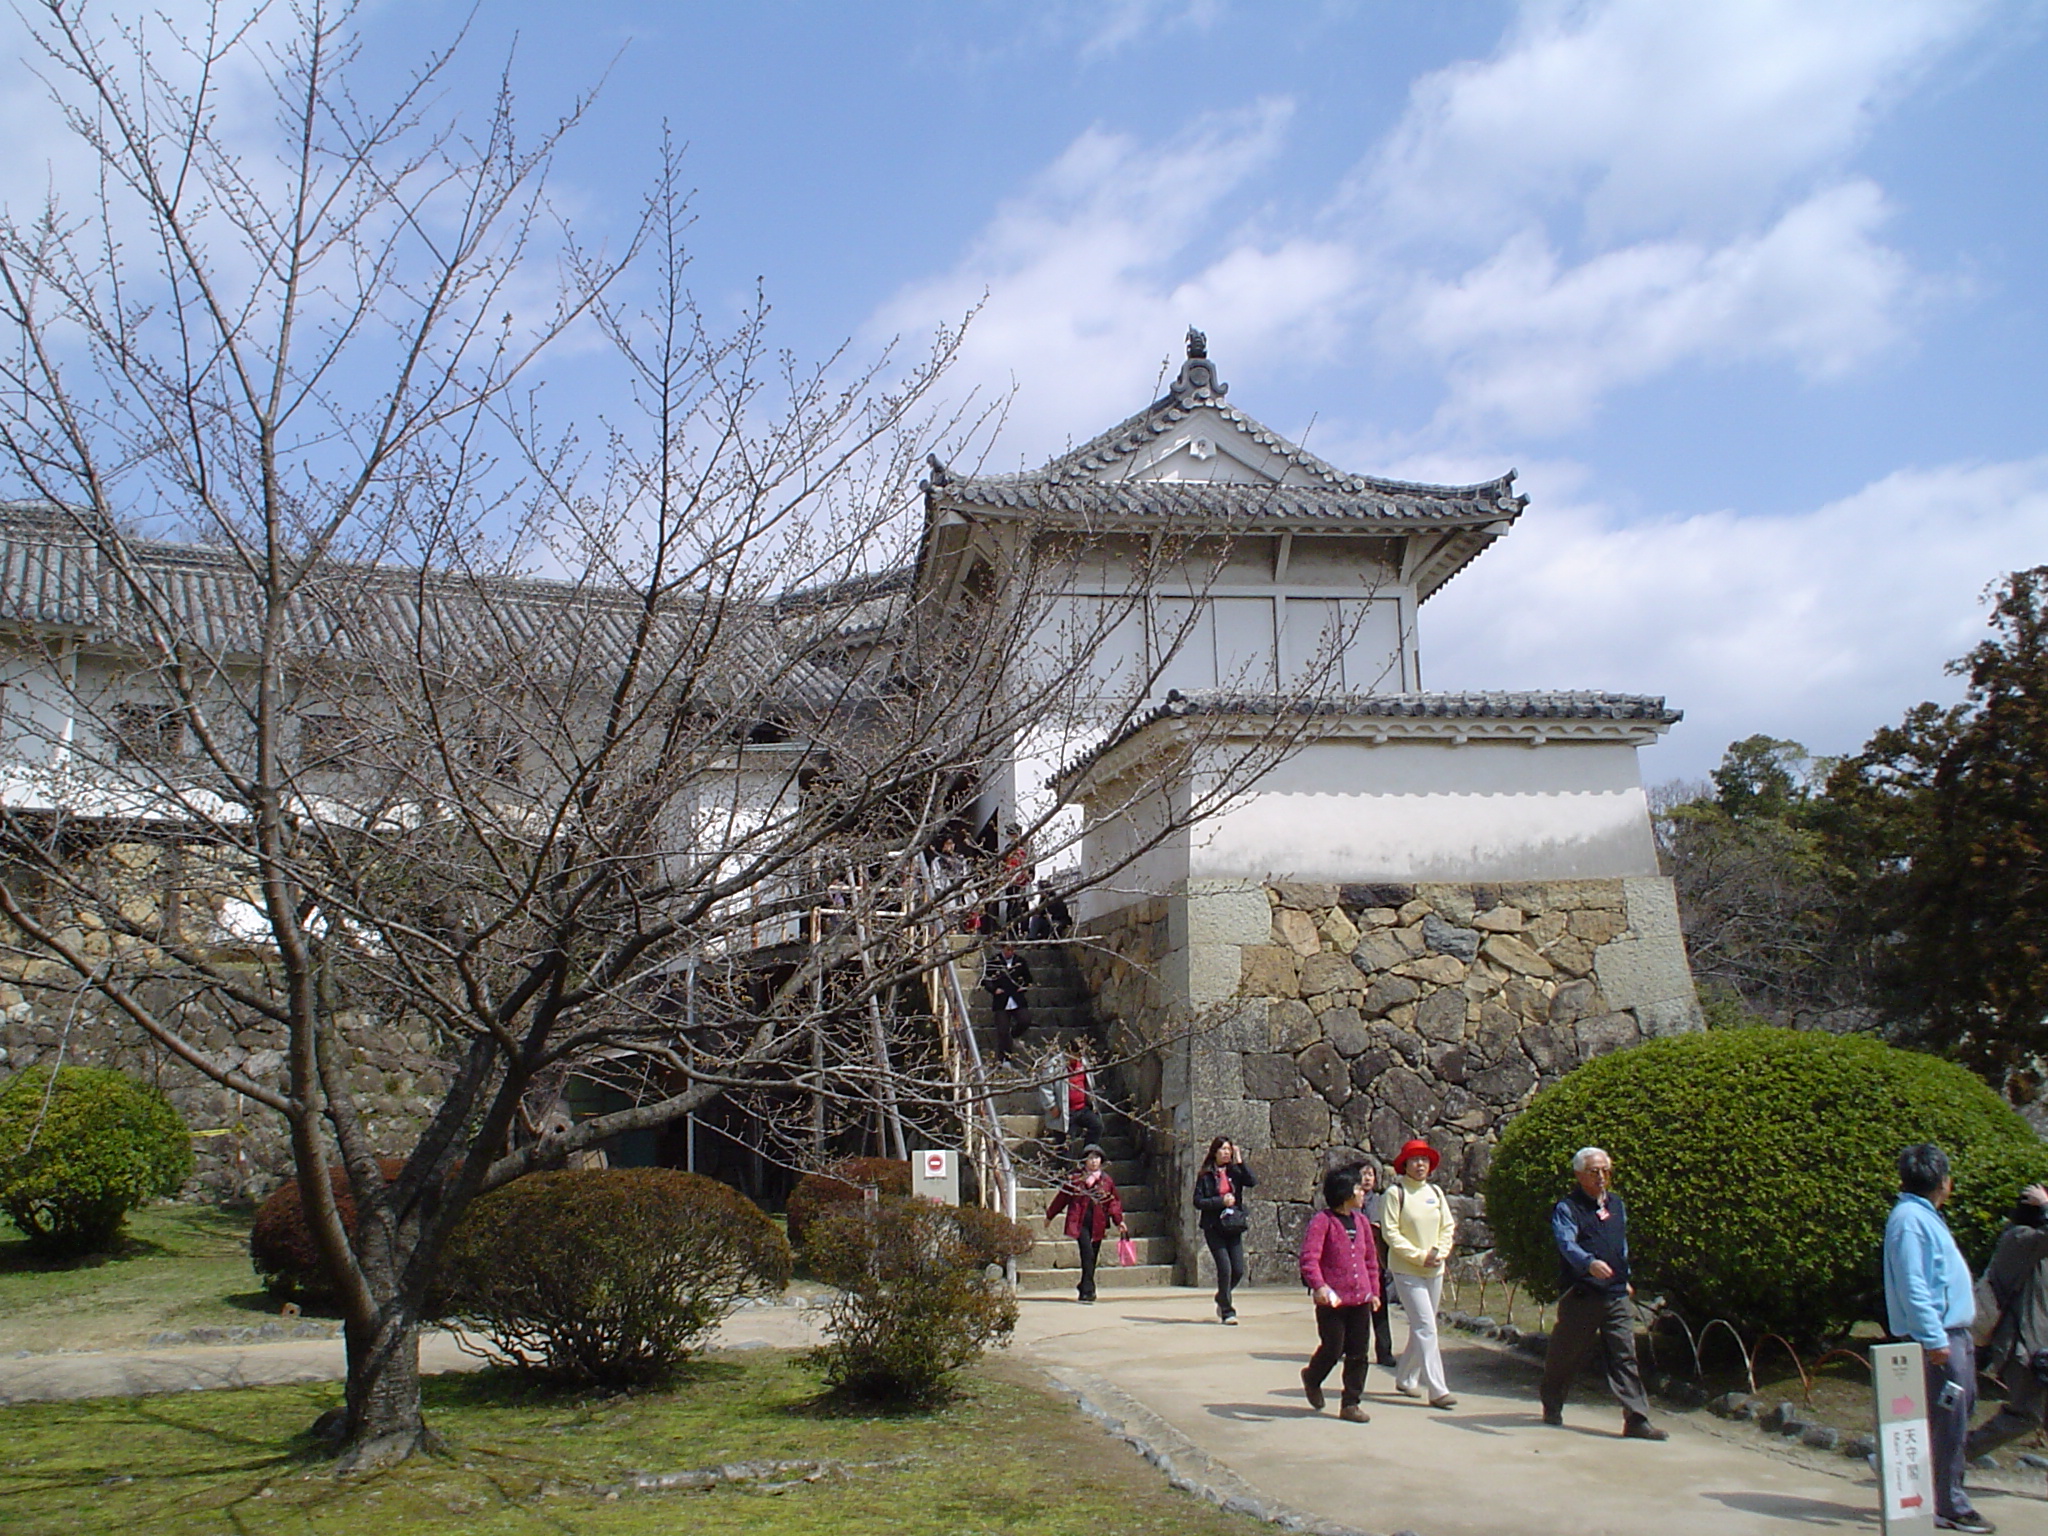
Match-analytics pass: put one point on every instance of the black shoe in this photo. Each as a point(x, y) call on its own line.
point(1640, 1428)
point(1970, 1520)
point(1313, 1391)
point(1554, 1417)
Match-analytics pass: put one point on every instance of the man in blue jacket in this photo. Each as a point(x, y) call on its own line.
point(1590, 1226)
point(1927, 1298)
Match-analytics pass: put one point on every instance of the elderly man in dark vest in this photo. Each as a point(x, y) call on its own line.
point(1590, 1226)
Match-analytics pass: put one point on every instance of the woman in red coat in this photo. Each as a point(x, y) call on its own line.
point(1341, 1268)
point(1093, 1206)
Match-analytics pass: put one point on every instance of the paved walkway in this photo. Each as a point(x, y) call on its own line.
point(1487, 1468)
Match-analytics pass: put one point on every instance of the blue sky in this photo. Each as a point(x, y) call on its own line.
point(1752, 293)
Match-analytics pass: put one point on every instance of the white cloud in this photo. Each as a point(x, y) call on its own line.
point(1113, 25)
point(1095, 269)
point(1525, 339)
point(1643, 116)
point(1819, 626)
point(1624, 189)
point(1629, 188)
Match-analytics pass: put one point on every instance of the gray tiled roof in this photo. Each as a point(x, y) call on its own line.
point(1087, 479)
point(1184, 501)
point(56, 572)
point(849, 609)
point(1545, 705)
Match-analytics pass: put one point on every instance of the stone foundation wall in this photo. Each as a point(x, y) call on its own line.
point(242, 1148)
point(1322, 1024)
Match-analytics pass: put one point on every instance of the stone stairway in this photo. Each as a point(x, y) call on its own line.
point(1059, 1003)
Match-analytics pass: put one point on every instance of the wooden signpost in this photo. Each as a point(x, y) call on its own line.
point(1905, 1454)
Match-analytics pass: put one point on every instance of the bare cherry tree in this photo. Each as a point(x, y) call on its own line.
point(375, 706)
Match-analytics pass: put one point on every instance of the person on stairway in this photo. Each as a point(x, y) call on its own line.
point(1221, 1185)
point(1006, 976)
point(1050, 917)
point(1083, 1100)
point(1092, 1207)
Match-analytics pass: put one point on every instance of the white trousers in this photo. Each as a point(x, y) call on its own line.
point(1422, 1363)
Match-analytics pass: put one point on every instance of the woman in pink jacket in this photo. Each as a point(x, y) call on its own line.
point(1341, 1268)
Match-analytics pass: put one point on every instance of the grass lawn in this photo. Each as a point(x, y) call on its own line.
point(1006, 1457)
point(179, 1267)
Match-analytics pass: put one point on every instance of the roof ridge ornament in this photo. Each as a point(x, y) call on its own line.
point(1197, 379)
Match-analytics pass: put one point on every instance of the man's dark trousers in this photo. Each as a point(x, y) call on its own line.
point(1948, 1427)
point(1586, 1317)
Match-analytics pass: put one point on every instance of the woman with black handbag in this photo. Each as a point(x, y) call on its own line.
point(1219, 1195)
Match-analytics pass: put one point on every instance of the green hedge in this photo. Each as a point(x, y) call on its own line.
point(78, 1155)
point(607, 1277)
point(1758, 1166)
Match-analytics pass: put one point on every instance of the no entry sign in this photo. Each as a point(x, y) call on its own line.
point(935, 1174)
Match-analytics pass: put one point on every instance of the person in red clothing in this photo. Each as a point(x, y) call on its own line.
point(1093, 1206)
point(1341, 1268)
point(1084, 1120)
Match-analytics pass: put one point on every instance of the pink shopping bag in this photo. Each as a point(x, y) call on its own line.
point(1126, 1251)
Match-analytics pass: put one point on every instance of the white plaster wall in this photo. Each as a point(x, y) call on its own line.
point(1349, 810)
point(39, 707)
point(1117, 826)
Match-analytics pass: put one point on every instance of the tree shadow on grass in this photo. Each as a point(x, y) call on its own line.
point(269, 1305)
point(17, 1257)
point(507, 1386)
point(842, 1403)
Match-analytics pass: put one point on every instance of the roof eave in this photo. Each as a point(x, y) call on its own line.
point(1168, 728)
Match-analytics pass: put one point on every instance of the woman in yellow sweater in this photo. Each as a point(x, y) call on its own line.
point(1416, 1221)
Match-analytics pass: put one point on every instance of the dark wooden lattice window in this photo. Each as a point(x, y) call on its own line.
point(148, 733)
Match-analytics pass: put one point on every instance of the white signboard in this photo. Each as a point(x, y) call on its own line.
point(935, 1175)
point(1905, 1454)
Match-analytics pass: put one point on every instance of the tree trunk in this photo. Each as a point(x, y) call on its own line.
point(382, 1422)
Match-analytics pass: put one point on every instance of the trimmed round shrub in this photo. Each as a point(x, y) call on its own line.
point(990, 1236)
point(607, 1277)
point(913, 1303)
point(281, 1246)
point(78, 1154)
point(1758, 1166)
point(846, 1182)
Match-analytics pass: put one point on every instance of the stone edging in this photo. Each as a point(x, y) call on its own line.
point(1187, 1466)
point(1781, 1420)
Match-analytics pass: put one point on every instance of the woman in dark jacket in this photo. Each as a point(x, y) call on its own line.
point(1219, 1195)
point(1341, 1269)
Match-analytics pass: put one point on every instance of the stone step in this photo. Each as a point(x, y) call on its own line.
point(1142, 1224)
point(1128, 1175)
point(1059, 1252)
point(1045, 1018)
point(1032, 1200)
point(1108, 1277)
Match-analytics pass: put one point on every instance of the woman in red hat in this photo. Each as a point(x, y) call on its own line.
point(1415, 1219)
